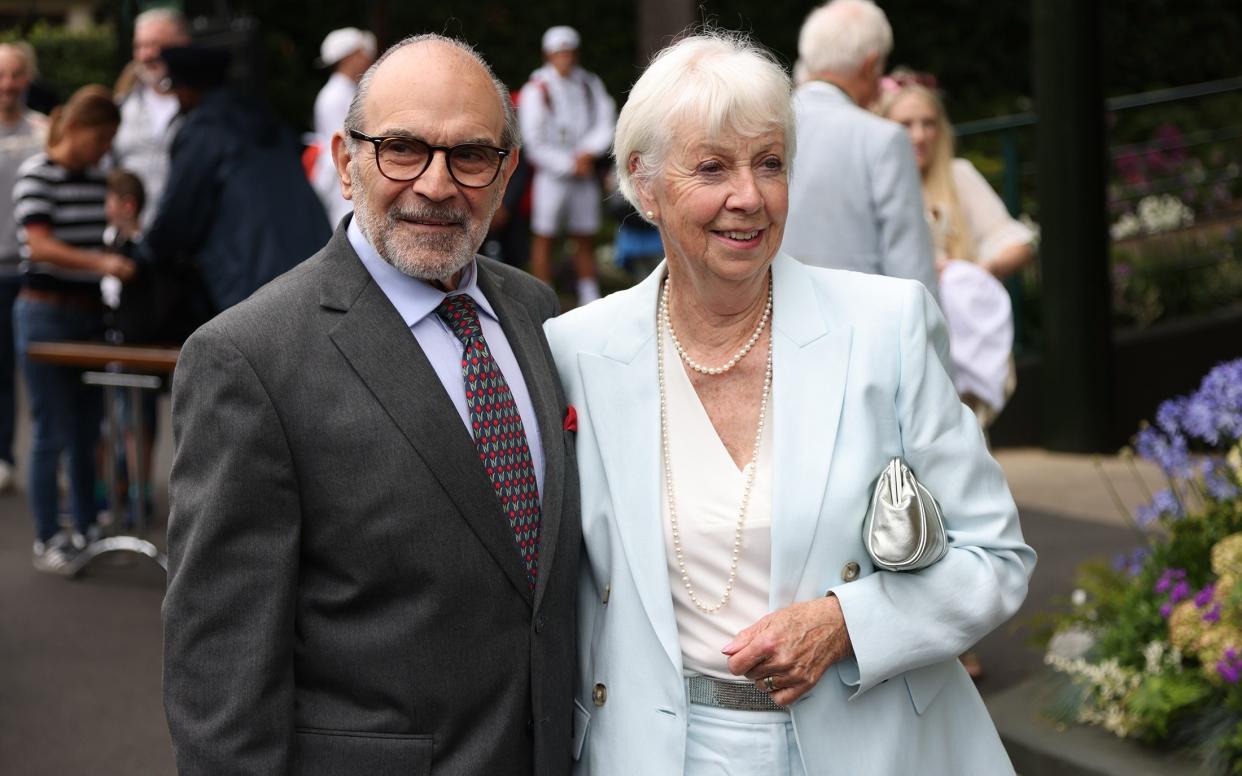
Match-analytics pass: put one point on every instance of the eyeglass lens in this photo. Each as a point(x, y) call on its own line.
point(408, 158)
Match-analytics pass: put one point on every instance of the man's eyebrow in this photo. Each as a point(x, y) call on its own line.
point(408, 135)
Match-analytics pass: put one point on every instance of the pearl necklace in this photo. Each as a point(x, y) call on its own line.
point(716, 370)
point(668, 462)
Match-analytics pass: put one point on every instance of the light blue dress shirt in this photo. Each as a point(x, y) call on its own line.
point(416, 301)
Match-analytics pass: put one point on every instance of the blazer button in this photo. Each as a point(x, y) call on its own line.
point(850, 571)
point(539, 623)
point(599, 695)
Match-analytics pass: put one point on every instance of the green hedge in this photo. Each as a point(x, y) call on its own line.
point(70, 59)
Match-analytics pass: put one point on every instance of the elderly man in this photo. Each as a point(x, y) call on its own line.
point(21, 135)
point(374, 534)
point(855, 201)
point(567, 122)
point(349, 51)
point(148, 109)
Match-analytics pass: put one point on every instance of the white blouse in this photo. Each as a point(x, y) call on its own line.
point(708, 486)
point(991, 227)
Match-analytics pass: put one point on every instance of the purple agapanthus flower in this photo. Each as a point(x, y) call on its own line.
point(1218, 483)
point(1163, 504)
point(1212, 614)
point(1200, 417)
point(1166, 610)
point(1131, 563)
point(1169, 416)
point(1204, 596)
point(1180, 592)
point(1229, 667)
point(1166, 451)
point(1168, 579)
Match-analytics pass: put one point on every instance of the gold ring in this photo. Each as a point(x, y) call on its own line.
point(768, 685)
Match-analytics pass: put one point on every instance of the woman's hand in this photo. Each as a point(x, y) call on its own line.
point(792, 646)
point(118, 266)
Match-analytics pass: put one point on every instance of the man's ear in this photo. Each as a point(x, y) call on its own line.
point(507, 167)
point(341, 158)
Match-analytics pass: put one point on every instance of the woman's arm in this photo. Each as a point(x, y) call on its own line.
point(45, 248)
point(899, 621)
point(1003, 245)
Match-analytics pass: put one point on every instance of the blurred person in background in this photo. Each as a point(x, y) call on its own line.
point(854, 199)
point(968, 220)
point(977, 245)
point(567, 120)
point(349, 52)
point(148, 108)
point(237, 206)
point(22, 134)
point(59, 207)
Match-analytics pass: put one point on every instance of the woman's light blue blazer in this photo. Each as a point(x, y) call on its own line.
point(858, 378)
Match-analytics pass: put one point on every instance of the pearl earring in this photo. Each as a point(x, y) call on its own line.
point(650, 216)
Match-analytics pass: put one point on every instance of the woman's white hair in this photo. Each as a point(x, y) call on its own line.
point(713, 82)
point(839, 36)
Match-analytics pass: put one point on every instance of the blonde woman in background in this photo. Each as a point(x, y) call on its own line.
point(967, 218)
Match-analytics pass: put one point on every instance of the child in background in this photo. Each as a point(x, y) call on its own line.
point(123, 204)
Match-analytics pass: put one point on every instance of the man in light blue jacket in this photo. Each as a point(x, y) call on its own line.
point(855, 200)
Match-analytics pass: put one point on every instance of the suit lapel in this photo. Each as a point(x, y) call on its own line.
point(811, 363)
point(386, 356)
point(524, 335)
point(622, 392)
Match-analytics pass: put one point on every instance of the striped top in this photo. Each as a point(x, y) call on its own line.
point(72, 204)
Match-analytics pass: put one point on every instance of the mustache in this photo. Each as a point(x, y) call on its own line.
point(445, 214)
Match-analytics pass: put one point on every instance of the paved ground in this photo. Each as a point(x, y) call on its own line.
point(80, 660)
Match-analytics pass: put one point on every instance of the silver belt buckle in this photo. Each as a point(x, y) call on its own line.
point(737, 696)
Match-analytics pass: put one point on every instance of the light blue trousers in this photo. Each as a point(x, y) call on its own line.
point(723, 742)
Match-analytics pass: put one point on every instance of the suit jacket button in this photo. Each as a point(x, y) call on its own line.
point(539, 623)
point(850, 571)
point(599, 694)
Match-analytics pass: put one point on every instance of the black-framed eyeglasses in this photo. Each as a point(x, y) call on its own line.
point(472, 165)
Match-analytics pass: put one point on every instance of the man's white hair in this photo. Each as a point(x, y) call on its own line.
point(167, 15)
point(839, 36)
point(712, 83)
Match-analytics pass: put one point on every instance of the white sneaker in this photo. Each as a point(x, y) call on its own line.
point(6, 476)
point(53, 556)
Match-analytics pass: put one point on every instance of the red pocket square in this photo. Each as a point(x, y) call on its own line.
point(571, 419)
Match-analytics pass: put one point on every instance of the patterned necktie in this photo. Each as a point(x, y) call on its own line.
point(498, 431)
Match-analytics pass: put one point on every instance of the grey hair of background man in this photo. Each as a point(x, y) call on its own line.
point(510, 136)
point(26, 53)
point(839, 36)
point(713, 83)
point(167, 15)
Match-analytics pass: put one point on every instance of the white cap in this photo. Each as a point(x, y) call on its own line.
point(341, 43)
point(560, 38)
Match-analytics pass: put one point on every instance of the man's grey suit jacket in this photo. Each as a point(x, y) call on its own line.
point(345, 595)
point(855, 199)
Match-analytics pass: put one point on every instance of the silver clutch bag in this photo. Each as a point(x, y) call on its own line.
point(904, 530)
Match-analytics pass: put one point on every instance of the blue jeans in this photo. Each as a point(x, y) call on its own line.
point(65, 412)
point(9, 287)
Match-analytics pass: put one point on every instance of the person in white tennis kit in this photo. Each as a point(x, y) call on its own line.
point(567, 120)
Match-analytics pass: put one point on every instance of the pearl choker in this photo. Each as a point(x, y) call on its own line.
point(714, 370)
point(664, 323)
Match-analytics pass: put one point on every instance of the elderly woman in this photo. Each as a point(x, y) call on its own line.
point(732, 414)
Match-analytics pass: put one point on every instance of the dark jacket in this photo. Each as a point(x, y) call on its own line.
point(237, 202)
